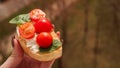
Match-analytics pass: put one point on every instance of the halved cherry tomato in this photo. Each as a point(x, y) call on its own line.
point(36, 14)
point(43, 25)
point(27, 30)
point(44, 39)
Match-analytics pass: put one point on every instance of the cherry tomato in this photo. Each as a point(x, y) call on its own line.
point(43, 25)
point(27, 30)
point(44, 39)
point(36, 14)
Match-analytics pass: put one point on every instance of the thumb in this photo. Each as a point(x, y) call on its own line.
point(16, 57)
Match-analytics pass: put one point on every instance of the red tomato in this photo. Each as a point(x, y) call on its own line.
point(36, 14)
point(27, 30)
point(44, 39)
point(43, 25)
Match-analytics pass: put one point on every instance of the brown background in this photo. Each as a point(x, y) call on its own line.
point(90, 30)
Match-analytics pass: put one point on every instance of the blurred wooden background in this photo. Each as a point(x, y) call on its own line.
point(90, 30)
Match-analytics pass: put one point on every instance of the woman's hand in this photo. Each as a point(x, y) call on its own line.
point(19, 60)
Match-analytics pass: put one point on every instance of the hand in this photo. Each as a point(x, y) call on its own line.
point(19, 60)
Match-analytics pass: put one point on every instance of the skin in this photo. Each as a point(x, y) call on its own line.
point(19, 60)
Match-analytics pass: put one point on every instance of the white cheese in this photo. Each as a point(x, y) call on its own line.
point(31, 43)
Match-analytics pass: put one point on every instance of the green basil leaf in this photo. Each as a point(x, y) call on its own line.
point(56, 44)
point(20, 19)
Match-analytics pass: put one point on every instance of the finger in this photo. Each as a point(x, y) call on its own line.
point(47, 64)
point(58, 34)
point(15, 58)
point(53, 26)
point(17, 52)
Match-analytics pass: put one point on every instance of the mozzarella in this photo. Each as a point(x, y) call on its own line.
point(31, 43)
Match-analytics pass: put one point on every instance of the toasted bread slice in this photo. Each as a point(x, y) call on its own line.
point(41, 56)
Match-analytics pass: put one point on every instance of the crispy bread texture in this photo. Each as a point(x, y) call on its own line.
point(47, 56)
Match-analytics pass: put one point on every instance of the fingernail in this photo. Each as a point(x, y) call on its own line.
point(12, 41)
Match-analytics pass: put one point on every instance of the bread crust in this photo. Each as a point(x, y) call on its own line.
point(40, 56)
